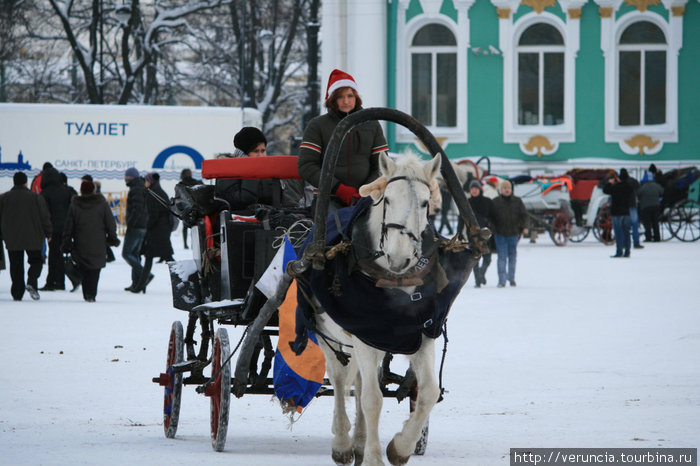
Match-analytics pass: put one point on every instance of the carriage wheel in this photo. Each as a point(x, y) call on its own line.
point(422, 442)
point(561, 229)
point(578, 233)
point(665, 227)
point(684, 220)
point(603, 228)
point(172, 381)
point(219, 390)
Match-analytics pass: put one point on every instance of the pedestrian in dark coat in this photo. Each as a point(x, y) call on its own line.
point(158, 229)
point(90, 227)
point(58, 197)
point(510, 220)
point(25, 223)
point(482, 207)
point(136, 218)
point(649, 195)
point(621, 191)
point(358, 162)
point(187, 180)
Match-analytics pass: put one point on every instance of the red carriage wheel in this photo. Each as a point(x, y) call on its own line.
point(172, 381)
point(561, 229)
point(603, 228)
point(219, 390)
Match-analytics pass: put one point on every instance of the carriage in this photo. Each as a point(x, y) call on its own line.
point(231, 254)
point(680, 207)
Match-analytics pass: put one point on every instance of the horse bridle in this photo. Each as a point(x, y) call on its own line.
point(399, 226)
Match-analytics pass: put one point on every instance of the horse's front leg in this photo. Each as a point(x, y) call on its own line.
point(339, 376)
point(423, 364)
point(368, 360)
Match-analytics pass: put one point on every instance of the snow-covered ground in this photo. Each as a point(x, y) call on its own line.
point(587, 351)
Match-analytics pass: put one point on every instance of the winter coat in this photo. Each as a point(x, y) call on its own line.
point(620, 194)
point(242, 193)
point(136, 214)
point(159, 226)
point(482, 207)
point(24, 220)
point(90, 227)
point(510, 215)
point(357, 163)
point(58, 197)
point(649, 194)
point(189, 181)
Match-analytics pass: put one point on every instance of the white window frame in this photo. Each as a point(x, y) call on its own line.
point(406, 31)
point(641, 139)
point(524, 135)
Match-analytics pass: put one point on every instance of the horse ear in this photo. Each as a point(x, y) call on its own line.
point(432, 168)
point(375, 189)
point(386, 165)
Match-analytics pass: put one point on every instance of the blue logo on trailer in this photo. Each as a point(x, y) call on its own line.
point(165, 154)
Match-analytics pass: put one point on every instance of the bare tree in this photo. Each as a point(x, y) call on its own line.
point(12, 16)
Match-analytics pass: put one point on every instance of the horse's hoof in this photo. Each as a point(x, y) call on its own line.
point(359, 456)
point(394, 457)
point(343, 458)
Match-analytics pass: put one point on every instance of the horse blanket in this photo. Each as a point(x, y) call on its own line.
point(388, 319)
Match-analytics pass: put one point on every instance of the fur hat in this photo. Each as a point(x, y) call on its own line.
point(339, 79)
point(248, 138)
point(87, 187)
point(152, 177)
point(19, 179)
point(131, 173)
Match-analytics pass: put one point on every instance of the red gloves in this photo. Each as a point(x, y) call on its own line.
point(347, 194)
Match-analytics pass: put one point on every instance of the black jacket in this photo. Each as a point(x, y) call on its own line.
point(159, 226)
point(90, 227)
point(58, 197)
point(621, 192)
point(242, 193)
point(483, 210)
point(136, 215)
point(510, 215)
point(357, 162)
point(24, 220)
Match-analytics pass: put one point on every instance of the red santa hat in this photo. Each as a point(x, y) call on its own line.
point(339, 79)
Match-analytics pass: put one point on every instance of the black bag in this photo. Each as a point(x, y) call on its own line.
point(72, 271)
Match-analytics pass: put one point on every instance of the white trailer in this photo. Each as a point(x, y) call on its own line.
point(105, 140)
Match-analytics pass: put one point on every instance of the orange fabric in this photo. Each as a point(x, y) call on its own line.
point(310, 364)
point(283, 167)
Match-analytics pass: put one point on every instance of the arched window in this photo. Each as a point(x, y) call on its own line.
point(642, 75)
point(433, 60)
point(540, 76)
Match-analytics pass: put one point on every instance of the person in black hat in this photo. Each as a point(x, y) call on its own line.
point(482, 207)
point(25, 222)
point(621, 191)
point(242, 194)
point(136, 217)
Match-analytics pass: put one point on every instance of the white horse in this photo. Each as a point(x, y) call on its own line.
point(397, 218)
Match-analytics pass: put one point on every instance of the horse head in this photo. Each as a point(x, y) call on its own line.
point(403, 195)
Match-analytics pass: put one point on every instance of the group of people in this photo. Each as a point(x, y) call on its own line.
point(631, 202)
point(83, 225)
point(77, 224)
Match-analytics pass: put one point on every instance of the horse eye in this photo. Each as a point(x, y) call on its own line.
point(424, 204)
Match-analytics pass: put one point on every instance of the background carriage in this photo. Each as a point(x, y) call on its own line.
point(680, 216)
point(217, 289)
